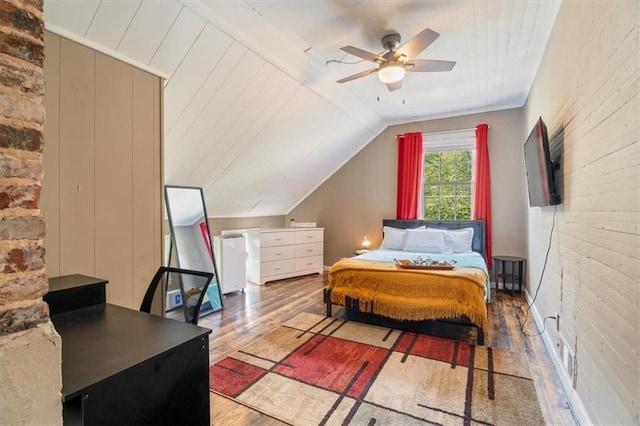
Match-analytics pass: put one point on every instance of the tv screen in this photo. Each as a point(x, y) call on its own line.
point(539, 168)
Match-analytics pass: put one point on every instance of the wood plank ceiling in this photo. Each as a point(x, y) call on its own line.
point(252, 110)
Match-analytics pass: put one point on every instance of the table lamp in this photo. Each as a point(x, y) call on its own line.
point(365, 246)
point(365, 243)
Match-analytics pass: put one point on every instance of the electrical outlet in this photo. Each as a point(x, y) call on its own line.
point(557, 321)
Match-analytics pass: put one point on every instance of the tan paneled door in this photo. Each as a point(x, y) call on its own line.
point(102, 191)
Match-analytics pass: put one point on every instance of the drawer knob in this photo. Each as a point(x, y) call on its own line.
point(309, 250)
point(276, 269)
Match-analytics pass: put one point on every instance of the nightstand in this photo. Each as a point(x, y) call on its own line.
point(511, 269)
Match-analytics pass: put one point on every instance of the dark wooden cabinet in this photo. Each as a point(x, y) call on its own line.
point(121, 366)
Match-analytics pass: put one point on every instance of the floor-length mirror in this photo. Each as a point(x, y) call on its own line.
point(190, 248)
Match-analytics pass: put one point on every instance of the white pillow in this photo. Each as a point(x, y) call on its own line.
point(425, 241)
point(459, 240)
point(393, 238)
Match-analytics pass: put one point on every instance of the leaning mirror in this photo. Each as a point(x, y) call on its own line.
point(190, 249)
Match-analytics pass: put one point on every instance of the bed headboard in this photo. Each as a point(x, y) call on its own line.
point(478, 243)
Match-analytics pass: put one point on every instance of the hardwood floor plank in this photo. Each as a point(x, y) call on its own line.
point(260, 309)
point(227, 412)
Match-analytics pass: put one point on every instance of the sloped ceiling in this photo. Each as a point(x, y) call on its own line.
point(252, 110)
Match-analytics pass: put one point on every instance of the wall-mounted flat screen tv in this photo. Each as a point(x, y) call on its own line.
point(539, 168)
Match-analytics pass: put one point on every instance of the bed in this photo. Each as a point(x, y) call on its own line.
point(373, 288)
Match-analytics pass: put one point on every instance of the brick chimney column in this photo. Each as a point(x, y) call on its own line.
point(30, 348)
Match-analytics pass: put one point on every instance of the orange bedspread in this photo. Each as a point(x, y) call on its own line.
point(385, 289)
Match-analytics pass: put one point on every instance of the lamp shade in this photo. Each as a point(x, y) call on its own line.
point(391, 73)
point(365, 242)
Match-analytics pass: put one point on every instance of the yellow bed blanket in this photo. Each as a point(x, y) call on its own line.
point(385, 289)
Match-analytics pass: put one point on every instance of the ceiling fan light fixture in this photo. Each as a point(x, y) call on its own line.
point(391, 73)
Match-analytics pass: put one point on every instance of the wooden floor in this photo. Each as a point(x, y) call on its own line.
point(249, 315)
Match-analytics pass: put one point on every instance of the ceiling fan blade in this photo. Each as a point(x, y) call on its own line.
point(395, 86)
point(360, 74)
point(417, 44)
point(428, 65)
point(363, 54)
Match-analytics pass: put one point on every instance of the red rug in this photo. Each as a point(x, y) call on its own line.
point(318, 370)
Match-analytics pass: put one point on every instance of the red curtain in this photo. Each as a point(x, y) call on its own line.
point(482, 190)
point(409, 169)
point(206, 238)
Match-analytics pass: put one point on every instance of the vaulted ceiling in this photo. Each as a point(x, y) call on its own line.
point(252, 110)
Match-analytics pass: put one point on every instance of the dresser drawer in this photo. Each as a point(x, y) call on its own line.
point(270, 254)
point(276, 268)
point(270, 239)
point(305, 250)
point(305, 263)
point(310, 236)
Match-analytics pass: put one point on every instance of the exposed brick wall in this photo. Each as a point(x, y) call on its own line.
point(23, 281)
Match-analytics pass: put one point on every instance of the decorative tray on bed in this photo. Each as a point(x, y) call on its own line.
point(428, 263)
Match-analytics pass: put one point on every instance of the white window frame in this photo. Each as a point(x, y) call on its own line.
point(457, 140)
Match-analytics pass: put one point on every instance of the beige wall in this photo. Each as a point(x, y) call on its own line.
point(353, 201)
point(102, 190)
point(218, 224)
point(588, 86)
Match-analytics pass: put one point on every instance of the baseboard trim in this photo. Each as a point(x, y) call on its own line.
point(577, 406)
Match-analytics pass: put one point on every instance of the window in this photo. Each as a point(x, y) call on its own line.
point(447, 186)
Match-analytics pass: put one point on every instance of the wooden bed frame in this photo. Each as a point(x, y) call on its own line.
point(432, 327)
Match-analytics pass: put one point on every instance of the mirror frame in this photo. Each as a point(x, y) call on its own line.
point(174, 250)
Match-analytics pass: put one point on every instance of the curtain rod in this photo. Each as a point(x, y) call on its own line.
point(449, 131)
point(473, 129)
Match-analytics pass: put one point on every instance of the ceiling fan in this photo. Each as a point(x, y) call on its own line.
point(397, 60)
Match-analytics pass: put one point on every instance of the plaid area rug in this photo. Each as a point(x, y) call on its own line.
point(318, 370)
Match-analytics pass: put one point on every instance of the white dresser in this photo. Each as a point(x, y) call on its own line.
point(280, 253)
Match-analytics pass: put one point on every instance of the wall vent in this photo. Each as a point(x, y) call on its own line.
point(567, 359)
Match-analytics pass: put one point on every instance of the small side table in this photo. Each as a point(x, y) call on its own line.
point(511, 269)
